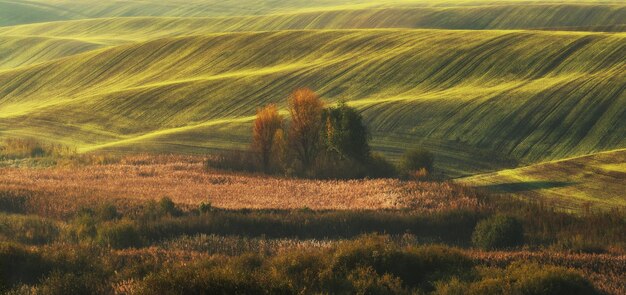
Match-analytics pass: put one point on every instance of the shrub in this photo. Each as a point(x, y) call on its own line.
point(304, 269)
point(205, 208)
point(417, 267)
point(107, 212)
point(168, 207)
point(451, 287)
point(414, 161)
point(28, 229)
point(84, 227)
point(534, 279)
point(153, 210)
point(149, 212)
point(523, 279)
point(71, 283)
point(488, 286)
point(379, 167)
point(204, 280)
point(498, 232)
point(365, 280)
point(119, 235)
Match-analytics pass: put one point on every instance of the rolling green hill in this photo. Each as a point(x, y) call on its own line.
point(598, 180)
point(242, 15)
point(94, 27)
point(580, 17)
point(466, 79)
point(529, 95)
point(38, 50)
point(14, 12)
point(23, 12)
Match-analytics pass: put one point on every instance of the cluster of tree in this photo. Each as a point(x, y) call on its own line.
point(321, 142)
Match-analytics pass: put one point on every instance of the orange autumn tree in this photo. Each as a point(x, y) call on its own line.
point(267, 130)
point(306, 108)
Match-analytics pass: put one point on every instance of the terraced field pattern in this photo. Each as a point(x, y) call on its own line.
point(486, 85)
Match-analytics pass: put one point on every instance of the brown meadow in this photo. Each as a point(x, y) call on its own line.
point(413, 214)
point(56, 190)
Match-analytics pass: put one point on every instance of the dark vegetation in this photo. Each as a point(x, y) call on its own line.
point(368, 265)
point(498, 232)
point(104, 249)
point(319, 142)
point(494, 224)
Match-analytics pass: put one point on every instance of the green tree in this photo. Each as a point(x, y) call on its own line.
point(345, 133)
point(498, 232)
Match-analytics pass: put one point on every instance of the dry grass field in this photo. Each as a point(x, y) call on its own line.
point(65, 211)
point(185, 180)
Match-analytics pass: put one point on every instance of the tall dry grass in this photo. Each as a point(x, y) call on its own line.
point(57, 190)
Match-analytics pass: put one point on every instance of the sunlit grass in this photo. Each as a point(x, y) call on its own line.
point(597, 181)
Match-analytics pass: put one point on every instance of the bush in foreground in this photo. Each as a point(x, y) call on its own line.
point(30, 230)
point(417, 163)
point(498, 232)
point(368, 265)
point(203, 280)
point(523, 279)
point(119, 235)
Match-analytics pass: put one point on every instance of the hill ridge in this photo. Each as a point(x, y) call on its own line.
point(141, 88)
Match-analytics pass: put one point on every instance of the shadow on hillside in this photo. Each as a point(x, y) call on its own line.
point(522, 186)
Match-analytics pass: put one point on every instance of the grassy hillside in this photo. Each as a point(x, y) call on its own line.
point(602, 17)
point(145, 76)
point(22, 51)
point(95, 24)
point(529, 95)
point(33, 11)
point(24, 12)
point(598, 180)
point(272, 15)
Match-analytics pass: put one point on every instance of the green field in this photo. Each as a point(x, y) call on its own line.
point(595, 181)
point(485, 85)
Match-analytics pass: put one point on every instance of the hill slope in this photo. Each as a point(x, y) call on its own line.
point(23, 12)
point(599, 180)
point(563, 16)
point(528, 95)
point(14, 12)
point(23, 51)
point(49, 41)
point(188, 75)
